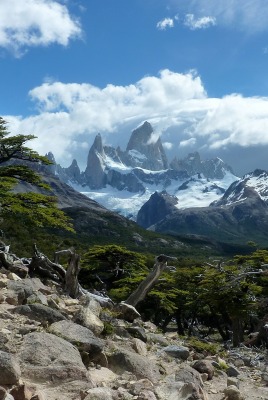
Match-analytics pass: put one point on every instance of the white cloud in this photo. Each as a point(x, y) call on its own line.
point(235, 120)
point(199, 23)
point(165, 23)
point(247, 15)
point(188, 143)
point(70, 115)
point(168, 145)
point(26, 23)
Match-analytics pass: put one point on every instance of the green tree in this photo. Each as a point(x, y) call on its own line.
point(113, 269)
point(16, 160)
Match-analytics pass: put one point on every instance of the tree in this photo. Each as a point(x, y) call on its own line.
point(113, 270)
point(16, 160)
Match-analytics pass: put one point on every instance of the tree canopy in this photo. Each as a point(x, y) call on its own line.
point(16, 162)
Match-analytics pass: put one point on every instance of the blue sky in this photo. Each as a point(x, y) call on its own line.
point(196, 69)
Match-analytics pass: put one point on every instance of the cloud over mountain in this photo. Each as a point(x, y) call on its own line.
point(70, 115)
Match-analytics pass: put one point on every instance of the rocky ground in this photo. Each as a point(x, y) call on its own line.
point(53, 347)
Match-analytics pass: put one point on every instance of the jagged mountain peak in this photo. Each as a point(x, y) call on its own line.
point(145, 151)
point(97, 145)
point(140, 137)
point(252, 185)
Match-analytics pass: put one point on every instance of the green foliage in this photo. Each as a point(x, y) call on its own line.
point(201, 346)
point(114, 269)
point(35, 208)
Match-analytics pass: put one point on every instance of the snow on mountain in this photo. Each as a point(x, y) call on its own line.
point(196, 191)
point(123, 181)
point(252, 184)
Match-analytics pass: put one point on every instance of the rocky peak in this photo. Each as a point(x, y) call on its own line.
point(94, 173)
point(253, 186)
point(73, 171)
point(51, 168)
point(212, 169)
point(144, 152)
point(156, 208)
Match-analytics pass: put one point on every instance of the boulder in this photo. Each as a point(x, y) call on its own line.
point(9, 369)
point(204, 366)
point(39, 312)
point(177, 351)
point(180, 391)
point(99, 394)
point(83, 338)
point(46, 357)
point(86, 317)
point(137, 332)
point(124, 360)
point(127, 312)
point(233, 393)
point(139, 346)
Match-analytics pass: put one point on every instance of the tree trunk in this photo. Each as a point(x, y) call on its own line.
point(146, 285)
point(72, 286)
point(237, 327)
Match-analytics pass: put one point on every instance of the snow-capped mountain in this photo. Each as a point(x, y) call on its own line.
point(239, 216)
point(123, 181)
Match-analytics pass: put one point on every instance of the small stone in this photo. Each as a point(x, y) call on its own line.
point(233, 393)
point(231, 381)
point(232, 371)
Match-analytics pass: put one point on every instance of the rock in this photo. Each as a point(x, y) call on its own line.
point(40, 312)
point(146, 395)
point(233, 382)
point(2, 393)
point(138, 332)
point(23, 392)
point(193, 383)
point(46, 357)
point(13, 277)
point(139, 346)
point(177, 351)
point(27, 287)
point(158, 339)
point(37, 298)
point(180, 391)
point(88, 319)
point(232, 371)
point(124, 360)
point(9, 369)
point(127, 312)
point(83, 338)
point(99, 394)
point(233, 393)
point(204, 366)
point(141, 385)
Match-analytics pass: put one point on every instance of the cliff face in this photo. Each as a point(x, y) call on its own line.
point(144, 151)
point(94, 174)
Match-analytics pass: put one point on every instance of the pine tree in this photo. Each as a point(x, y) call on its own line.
point(16, 160)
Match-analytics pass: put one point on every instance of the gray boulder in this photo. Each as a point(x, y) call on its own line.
point(9, 369)
point(86, 317)
point(177, 351)
point(83, 338)
point(39, 312)
point(45, 357)
point(124, 360)
point(204, 366)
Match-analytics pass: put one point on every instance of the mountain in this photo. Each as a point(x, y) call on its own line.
point(123, 180)
point(188, 196)
point(241, 215)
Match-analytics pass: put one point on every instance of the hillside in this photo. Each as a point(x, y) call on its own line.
point(53, 347)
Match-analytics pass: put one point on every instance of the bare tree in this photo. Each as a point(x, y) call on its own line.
point(146, 285)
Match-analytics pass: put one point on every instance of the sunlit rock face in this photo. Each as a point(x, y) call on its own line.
point(146, 151)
